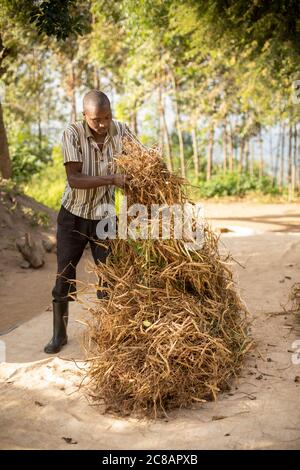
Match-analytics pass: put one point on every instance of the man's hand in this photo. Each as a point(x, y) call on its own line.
point(121, 181)
point(78, 180)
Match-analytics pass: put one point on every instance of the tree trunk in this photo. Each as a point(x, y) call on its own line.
point(290, 153)
point(297, 166)
point(164, 133)
point(295, 158)
point(271, 157)
point(261, 156)
point(210, 153)
point(251, 159)
point(133, 120)
point(236, 158)
point(96, 78)
point(241, 156)
point(5, 164)
point(246, 155)
point(160, 113)
point(230, 141)
point(73, 94)
point(293, 169)
point(167, 142)
point(224, 145)
point(39, 118)
point(277, 158)
point(178, 127)
point(281, 171)
point(195, 150)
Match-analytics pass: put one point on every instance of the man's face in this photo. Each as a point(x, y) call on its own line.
point(98, 119)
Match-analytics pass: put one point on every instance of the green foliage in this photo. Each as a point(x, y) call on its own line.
point(58, 18)
point(29, 155)
point(235, 184)
point(267, 30)
point(47, 186)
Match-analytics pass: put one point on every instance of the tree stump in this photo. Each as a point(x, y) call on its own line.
point(31, 250)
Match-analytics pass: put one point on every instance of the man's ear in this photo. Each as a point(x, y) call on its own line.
point(83, 113)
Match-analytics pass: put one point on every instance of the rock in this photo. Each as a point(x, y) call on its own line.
point(31, 250)
point(24, 264)
point(49, 244)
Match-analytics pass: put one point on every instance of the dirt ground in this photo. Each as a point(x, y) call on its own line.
point(41, 403)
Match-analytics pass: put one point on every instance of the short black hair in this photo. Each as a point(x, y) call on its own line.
point(95, 98)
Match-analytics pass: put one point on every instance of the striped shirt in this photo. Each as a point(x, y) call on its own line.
point(78, 145)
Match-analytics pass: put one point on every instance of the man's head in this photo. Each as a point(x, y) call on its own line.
point(97, 111)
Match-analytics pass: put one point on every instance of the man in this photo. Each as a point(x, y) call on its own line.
point(88, 151)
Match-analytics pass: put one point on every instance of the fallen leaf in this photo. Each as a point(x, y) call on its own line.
point(69, 440)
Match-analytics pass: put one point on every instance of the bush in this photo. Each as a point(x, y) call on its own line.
point(234, 184)
point(48, 185)
point(28, 156)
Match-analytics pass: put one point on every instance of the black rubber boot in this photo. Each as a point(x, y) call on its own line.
point(60, 322)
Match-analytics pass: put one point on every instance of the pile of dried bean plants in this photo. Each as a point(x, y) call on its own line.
point(173, 330)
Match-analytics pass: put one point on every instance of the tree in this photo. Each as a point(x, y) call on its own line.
point(57, 19)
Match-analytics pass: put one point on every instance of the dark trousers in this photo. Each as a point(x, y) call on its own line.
point(73, 234)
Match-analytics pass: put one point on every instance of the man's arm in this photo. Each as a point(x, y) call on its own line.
point(78, 180)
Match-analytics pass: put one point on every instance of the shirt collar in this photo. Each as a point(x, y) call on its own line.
point(112, 130)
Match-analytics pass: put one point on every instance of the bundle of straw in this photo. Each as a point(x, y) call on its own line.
point(173, 330)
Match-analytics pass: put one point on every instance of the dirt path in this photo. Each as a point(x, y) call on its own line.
point(258, 218)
